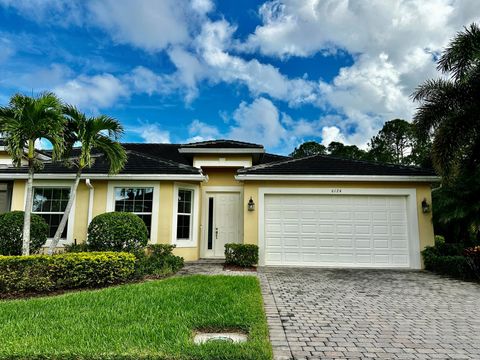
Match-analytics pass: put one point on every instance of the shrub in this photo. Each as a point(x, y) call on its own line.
point(77, 248)
point(158, 261)
point(11, 233)
point(117, 231)
point(472, 255)
point(42, 273)
point(447, 259)
point(244, 255)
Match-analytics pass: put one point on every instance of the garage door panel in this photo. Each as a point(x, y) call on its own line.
point(363, 243)
point(328, 230)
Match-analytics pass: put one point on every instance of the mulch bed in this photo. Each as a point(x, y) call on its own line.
point(238, 268)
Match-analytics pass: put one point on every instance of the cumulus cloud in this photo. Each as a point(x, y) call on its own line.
point(394, 45)
point(151, 132)
point(150, 25)
point(331, 133)
point(93, 92)
point(200, 131)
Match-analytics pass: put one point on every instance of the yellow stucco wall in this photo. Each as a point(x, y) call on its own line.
point(219, 177)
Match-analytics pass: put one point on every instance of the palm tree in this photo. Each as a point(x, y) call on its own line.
point(23, 122)
point(99, 133)
point(449, 108)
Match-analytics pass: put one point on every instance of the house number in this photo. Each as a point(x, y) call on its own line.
point(336, 191)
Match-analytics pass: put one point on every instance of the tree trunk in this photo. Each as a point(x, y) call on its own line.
point(64, 220)
point(28, 212)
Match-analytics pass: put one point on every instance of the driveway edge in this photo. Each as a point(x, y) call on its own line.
point(278, 339)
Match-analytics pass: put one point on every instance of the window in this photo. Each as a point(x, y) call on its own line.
point(184, 214)
point(50, 203)
point(5, 197)
point(137, 200)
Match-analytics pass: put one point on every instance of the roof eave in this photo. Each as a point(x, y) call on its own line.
point(356, 178)
point(46, 176)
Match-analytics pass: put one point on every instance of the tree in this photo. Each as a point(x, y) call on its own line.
point(99, 134)
point(309, 148)
point(23, 122)
point(393, 143)
point(346, 151)
point(449, 109)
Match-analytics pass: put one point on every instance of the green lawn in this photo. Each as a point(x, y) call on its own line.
point(152, 320)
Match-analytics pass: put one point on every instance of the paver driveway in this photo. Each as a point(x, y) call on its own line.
point(385, 314)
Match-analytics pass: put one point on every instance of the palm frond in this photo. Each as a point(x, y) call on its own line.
point(113, 151)
point(463, 53)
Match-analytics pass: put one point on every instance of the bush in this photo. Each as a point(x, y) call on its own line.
point(11, 233)
point(447, 259)
point(77, 248)
point(244, 255)
point(158, 261)
point(117, 231)
point(472, 256)
point(42, 273)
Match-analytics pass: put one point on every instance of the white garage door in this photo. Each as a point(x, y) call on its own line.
point(341, 230)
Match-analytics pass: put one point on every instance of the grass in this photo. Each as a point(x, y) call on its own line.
point(151, 320)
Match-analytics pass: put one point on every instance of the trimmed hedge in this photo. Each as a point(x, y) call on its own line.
point(472, 255)
point(11, 233)
point(158, 260)
point(117, 231)
point(244, 255)
point(42, 273)
point(447, 259)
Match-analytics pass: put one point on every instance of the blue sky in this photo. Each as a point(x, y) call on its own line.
point(276, 72)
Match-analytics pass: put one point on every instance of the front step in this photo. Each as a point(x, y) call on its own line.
point(207, 262)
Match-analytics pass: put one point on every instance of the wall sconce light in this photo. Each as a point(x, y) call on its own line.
point(251, 204)
point(425, 206)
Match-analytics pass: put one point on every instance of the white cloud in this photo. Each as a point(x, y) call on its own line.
point(393, 44)
point(151, 133)
point(331, 133)
point(60, 12)
point(146, 24)
point(200, 131)
point(99, 91)
point(212, 47)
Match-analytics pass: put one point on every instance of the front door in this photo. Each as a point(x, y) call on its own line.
point(222, 222)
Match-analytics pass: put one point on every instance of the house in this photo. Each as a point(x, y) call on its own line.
point(313, 211)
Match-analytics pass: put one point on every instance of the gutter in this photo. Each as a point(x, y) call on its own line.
point(91, 192)
point(44, 176)
point(357, 178)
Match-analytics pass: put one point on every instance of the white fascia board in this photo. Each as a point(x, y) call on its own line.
point(221, 151)
point(377, 178)
point(183, 177)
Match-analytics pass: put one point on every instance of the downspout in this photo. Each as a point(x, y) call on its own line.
point(91, 191)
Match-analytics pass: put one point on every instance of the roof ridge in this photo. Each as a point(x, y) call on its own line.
point(375, 162)
point(274, 163)
point(220, 140)
point(159, 159)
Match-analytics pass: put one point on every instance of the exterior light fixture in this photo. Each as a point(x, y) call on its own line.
point(251, 204)
point(425, 206)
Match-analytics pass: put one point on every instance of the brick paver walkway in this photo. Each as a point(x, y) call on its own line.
point(370, 314)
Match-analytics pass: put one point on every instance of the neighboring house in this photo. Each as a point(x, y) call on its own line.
point(314, 211)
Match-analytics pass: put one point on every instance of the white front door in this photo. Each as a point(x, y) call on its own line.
point(223, 223)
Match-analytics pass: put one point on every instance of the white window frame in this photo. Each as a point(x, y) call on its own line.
point(71, 216)
point(137, 184)
point(193, 239)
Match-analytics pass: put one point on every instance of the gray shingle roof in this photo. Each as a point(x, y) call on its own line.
point(329, 165)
